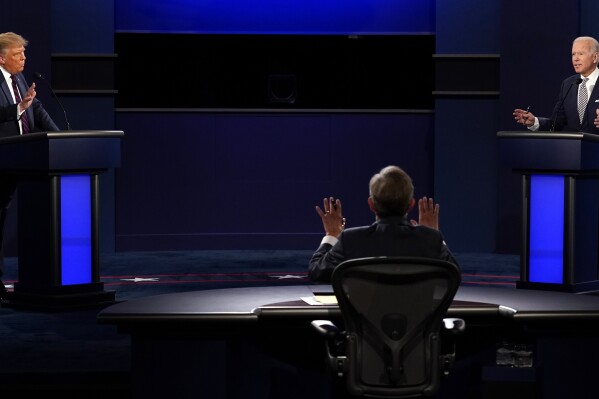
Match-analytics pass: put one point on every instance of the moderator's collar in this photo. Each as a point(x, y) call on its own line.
point(400, 220)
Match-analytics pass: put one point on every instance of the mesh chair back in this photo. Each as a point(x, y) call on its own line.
point(393, 310)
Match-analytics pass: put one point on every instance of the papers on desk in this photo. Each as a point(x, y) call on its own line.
point(316, 300)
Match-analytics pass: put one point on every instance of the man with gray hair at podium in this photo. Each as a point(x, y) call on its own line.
point(20, 113)
point(576, 107)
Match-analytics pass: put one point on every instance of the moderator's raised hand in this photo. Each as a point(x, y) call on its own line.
point(428, 213)
point(332, 216)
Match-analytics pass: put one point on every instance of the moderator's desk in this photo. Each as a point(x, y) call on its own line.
point(257, 342)
point(244, 308)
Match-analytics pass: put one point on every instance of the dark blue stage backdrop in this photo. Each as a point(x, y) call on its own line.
point(276, 17)
point(221, 160)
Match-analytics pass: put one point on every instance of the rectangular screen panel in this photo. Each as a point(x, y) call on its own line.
point(275, 71)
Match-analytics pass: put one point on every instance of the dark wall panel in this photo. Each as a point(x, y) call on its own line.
point(468, 26)
point(468, 88)
point(82, 26)
point(199, 181)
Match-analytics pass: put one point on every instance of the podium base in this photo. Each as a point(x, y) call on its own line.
point(58, 301)
point(576, 288)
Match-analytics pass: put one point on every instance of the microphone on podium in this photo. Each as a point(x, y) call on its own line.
point(576, 82)
point(39, 76)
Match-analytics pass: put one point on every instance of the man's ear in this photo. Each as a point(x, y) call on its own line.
point(412, 202)
point(371, 204)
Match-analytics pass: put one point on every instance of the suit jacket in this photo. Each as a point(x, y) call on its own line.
point(39, 120)
point(393, 236)
point(566, 115)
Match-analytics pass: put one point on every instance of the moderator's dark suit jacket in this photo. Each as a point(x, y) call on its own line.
point(393, 236)
point(38, 118)
point(566, 116)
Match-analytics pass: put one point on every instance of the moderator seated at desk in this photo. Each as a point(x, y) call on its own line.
point(223, 342)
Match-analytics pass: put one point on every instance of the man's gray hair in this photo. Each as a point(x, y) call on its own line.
point(391, 191)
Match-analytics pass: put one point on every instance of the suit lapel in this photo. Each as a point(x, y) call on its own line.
point(7, 97)
point(594, 96)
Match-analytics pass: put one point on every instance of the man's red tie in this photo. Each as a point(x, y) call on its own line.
point(24, 121)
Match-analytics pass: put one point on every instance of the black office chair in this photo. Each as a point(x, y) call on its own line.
point(393, 311)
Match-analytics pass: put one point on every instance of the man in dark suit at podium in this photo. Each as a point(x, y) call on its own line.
point(392, 234)
point(20, 113)
point(576, 108)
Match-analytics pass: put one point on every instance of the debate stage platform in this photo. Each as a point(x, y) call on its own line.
point(72, 354)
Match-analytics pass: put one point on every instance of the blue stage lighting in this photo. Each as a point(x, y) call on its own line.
point(76, 229)
point(276, 17)
point(546, 239)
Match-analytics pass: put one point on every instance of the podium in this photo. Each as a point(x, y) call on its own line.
point(560, 207)
point(58, 221)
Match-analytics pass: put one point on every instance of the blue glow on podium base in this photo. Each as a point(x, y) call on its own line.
point(76, 229)
point(546, 229)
